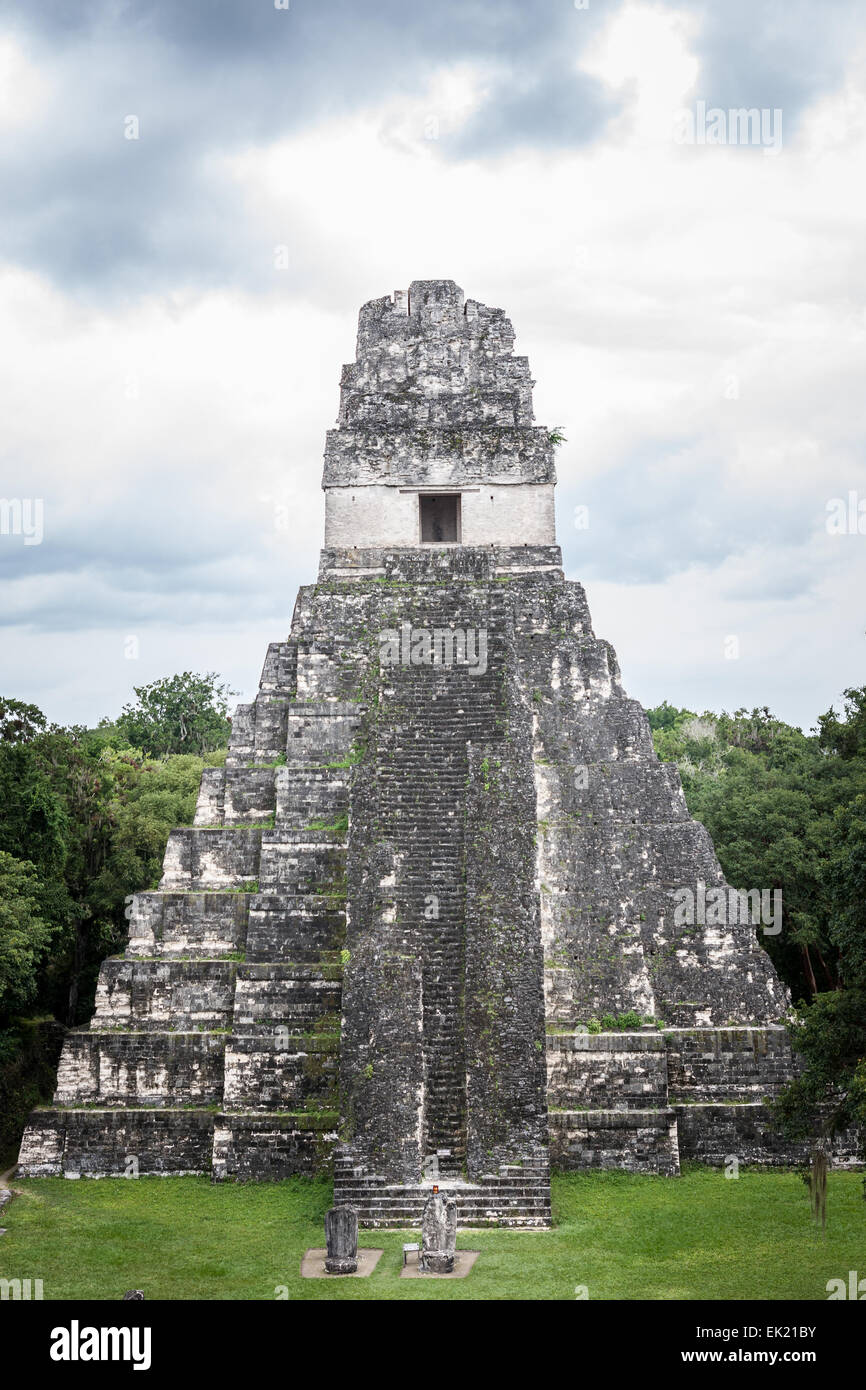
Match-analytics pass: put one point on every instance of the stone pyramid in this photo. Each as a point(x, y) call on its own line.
point(441, 852)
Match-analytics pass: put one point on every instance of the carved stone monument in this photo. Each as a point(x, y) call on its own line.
point(341, 1235)
point(439, 1234)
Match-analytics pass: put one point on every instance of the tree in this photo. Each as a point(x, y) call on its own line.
point(846, 882)
point(788, 810)
point(846, 738)
point(769, 795)
point(24, 933)
point(78, 774)
point(830, 1034)
point(33, 816)
point(178, 714)
point(666, 716)
point(19, 723)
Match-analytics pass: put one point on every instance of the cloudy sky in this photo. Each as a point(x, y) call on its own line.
point(197, 198)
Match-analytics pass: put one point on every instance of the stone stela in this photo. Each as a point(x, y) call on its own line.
point(438, 1234)
point(414, 884)
point(341, 1237)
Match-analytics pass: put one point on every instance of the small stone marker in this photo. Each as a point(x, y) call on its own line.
point(133, 1296)
point(439, 1234)
point(341, 1235)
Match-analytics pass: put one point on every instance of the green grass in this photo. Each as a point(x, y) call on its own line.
point(697, 1237)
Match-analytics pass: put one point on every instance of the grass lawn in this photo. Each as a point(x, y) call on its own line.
point(700, 1236)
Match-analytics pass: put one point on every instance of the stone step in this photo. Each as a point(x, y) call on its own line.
point(203, 859)
point(466, 1195)
point(525, 1200)
point(181, 995)
point(132, 1069)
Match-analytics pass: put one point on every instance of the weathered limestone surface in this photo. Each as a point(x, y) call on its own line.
point(706, 1064)
point(159, 1069)
point(413, 888)
point(641, 1141)
point(433, 362)
point(93, 1143)
point(638, 1100)
point(173, 925)
point(214, 1045)
point(269, 1143)
point(159, 995)
point(439, 1233)
point(607, 1071)
point(341, 1237)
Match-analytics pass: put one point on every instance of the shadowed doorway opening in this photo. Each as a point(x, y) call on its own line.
point(440, 518)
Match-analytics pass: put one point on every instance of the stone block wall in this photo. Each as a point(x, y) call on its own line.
point(283, 1073)
point(310, 927)
point(504, 1008)
point(636, 1141)
point(706, 1064)
point(100, 1142)
point(172, 924)
point(607, 1071)
point(271, 1145)
point(714, 1134)
point(159, 995)
point(198, 859)
point(158, 1069)
point(214, 1046)
point(709, 1088)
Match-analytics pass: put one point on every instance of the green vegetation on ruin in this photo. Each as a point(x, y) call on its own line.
point(340, 826)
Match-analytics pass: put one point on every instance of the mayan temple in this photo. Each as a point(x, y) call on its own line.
point(441, 850)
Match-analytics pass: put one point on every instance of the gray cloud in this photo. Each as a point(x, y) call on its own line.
point(157, 553)
point(103, 214)
point(663, 509)
point(780, 53)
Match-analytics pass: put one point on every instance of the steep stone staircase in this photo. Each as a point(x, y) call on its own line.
point(428, 717)
point(426, 720)
point(517, 1195)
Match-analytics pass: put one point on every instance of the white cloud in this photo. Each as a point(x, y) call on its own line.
point(645, 53)
point(23, 88)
